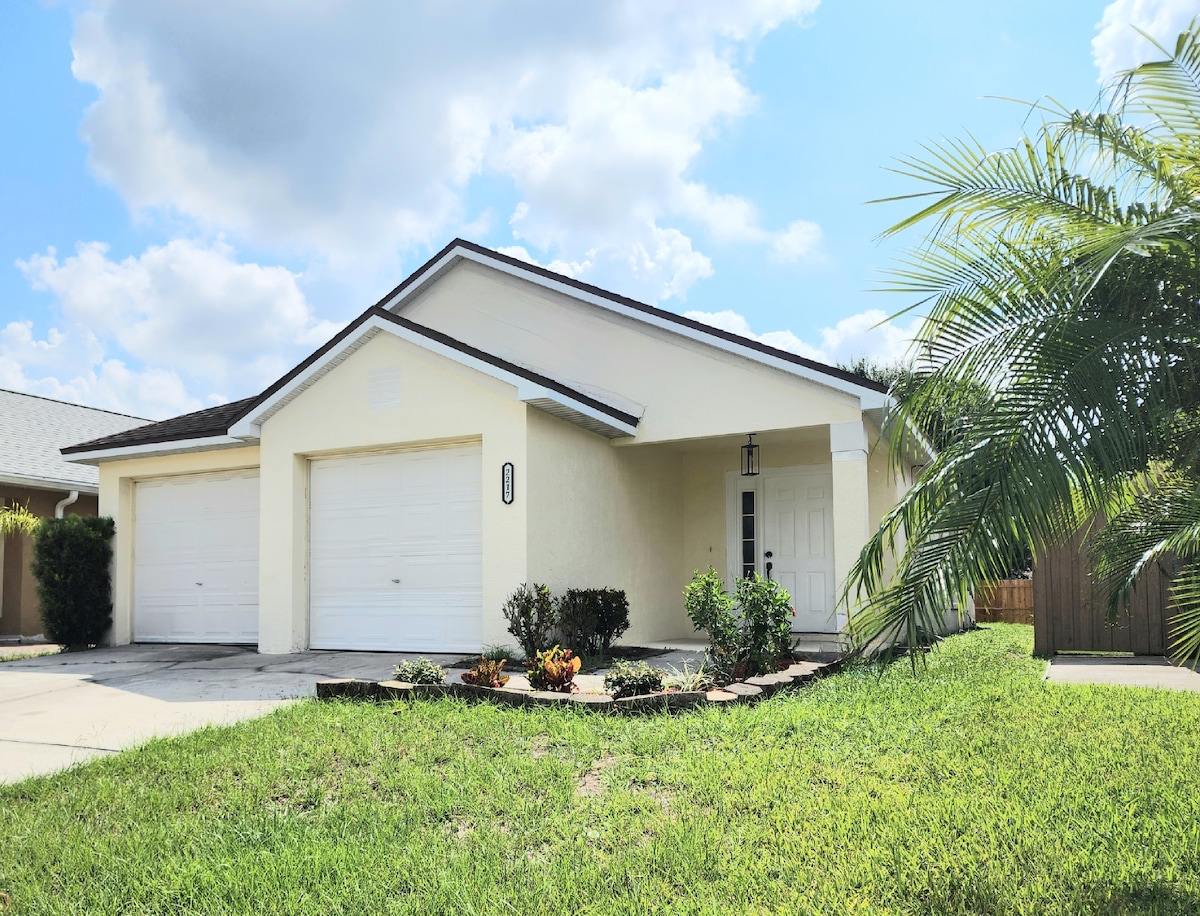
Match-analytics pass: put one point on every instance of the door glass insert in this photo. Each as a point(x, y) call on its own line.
point(749, 532)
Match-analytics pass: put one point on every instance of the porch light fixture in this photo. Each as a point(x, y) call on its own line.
point(750, 457)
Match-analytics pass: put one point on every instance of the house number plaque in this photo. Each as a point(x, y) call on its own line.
point(506, 483)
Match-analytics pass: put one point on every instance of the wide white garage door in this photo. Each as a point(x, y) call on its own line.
point(195, 559)
point(396, 550)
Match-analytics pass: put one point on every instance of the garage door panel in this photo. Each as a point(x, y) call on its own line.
point(424, 529)
point(196, 559)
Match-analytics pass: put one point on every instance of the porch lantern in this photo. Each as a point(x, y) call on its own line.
point(750, 457)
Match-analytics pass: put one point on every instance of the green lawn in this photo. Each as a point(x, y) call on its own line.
point(973, 788)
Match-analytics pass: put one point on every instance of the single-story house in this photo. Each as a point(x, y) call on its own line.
point(489, 423)
point(33, 474)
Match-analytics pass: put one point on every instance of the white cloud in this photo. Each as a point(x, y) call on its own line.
point(189, 314)
point(355, 130)
point(867, 334)
point(71, 367)
point(1118, 46)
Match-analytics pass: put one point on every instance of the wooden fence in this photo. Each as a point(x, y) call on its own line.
point(1006, 601)
point(1070, 614)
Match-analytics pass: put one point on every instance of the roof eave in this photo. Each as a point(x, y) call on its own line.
point(530, 391)
point(156, 449)
point(869, 398)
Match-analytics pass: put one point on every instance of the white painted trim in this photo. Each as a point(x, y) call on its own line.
point(869, 398)
point(171, 447)
point(44, 483)
point(250, 426)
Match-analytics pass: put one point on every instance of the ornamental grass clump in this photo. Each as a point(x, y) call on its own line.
point(553, 669)
point(420, 671)
point(633, 679)
point(486, 673)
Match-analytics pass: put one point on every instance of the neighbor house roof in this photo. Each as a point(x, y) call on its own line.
point(36, 428)
point(238, 422)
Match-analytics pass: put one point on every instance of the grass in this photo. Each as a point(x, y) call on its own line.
point(975, 787)
point(22, 656)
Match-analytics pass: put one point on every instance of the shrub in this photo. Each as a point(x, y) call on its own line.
point(420, 671)
point(710, 608)
point(486, 673)
point(688, 678)
point(553, 669)
point(747, 633)
point(531, 617)
point(633, 679)
point(612, 617)
point(592, 618)
point(766, 622)
point(71, 558)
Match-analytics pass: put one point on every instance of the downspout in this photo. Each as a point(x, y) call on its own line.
point(63, 503)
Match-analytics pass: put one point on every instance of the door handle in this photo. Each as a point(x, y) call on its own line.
point(396, 581)
point(770, 566)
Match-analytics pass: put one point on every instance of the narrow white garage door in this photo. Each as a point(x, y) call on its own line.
point(396, 551)
point(195, 559)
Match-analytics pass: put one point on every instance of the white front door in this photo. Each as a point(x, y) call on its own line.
point(396, 551)
point(195, 558)
point(781, 526)
point(798, 544)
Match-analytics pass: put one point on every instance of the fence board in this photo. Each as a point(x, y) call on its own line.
point(1006, 601)
point(1070, 614)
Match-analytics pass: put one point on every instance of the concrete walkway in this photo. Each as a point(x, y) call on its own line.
point(62, 709)
point(58, 710)
point(1135, 671)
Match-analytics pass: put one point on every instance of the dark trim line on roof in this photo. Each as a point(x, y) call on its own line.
point(691, 324)
point(42, 397)
point(172, 430)
point(199, 424)
point(383, 314)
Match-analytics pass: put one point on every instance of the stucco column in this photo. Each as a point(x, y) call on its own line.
point(851, 512)
point(282, 552)
point(116, 501)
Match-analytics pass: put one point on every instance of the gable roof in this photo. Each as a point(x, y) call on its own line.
point(238, 422)
point(460, 250)
point(36, 428)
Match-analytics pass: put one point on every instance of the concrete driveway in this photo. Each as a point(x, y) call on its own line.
point(62, 709)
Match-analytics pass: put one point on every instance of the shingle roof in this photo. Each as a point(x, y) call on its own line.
point(35, 428)
point(214, 421)
point(421, 275)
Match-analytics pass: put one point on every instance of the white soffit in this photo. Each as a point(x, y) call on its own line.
point(529, 391)
point(869, 398)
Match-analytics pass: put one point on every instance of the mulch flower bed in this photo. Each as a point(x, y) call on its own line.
point(748, 691)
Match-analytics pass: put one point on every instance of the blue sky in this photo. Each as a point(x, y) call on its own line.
point(196, 195)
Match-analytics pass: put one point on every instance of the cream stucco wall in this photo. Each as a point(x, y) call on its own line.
point(606, 517)
point(117, 479)
point(389, 394)
point(690, 390)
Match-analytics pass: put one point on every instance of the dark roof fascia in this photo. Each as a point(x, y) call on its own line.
point(663, 314)
point(169, 431)
point(383, 314)
point(166, 430)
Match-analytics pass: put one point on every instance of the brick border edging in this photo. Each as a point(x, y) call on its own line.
point(750, 690)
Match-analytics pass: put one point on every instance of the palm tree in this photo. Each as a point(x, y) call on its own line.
point(1062, 276)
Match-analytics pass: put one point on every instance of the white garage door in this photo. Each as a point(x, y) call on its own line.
point(195, 559)
point(396, 551)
